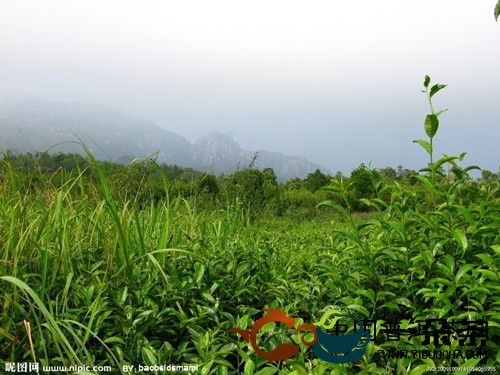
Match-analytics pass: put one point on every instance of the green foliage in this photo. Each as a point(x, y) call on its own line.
point(316, 180)
point(246, 187)
point(363, 183)
point(152, 264)
point(434, 257)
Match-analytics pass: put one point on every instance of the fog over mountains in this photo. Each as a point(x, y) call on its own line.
point(30, 125)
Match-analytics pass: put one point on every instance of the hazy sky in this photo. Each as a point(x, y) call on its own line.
point(336, 81)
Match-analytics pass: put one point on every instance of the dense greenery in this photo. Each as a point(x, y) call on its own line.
point(152, 264)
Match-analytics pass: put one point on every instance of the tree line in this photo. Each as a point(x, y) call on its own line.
point(145, 181)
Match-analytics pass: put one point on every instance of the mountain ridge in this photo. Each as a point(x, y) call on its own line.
point(31, 125)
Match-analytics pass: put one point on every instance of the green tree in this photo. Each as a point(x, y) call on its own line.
point(246, 186)
point(208, 185)
point(363, 184)
point(316, 180)
point(388, 173)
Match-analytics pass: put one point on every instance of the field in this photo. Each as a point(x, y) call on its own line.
point(93, 277)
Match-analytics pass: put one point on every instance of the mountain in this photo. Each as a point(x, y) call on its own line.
point(30, 125)
point(221, 153)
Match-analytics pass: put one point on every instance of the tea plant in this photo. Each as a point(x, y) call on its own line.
point(99, 271)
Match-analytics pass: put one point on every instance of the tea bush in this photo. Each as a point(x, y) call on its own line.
point(105, 278)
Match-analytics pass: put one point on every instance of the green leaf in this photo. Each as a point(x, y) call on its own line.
point(497, 11)
point(360, 309)
point(462, 271)
point(486, 259)
point(431, 125)
point(114, 340)
point(299, 368)
point(199, 271)
point(267, 371)
point(5, 333)
point(419, 370)
point(427, 81)
point(222, 370)
point(426, 145)
point(496, 248)
point(122, 295)
point(51, 322)
point(334, 205)
point(442, 161)
point(249, 368)
point(149, 357)
point(425, 181)
point(439, 113)
point(472, 167)
point(436, 88)
point(469, 363)
point(460, 238)
point(205, 370)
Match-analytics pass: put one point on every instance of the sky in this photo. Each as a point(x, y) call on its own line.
point(338, 82)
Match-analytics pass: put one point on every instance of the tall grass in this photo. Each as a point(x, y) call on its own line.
point(109, 282)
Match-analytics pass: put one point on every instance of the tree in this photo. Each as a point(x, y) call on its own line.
point(316, 180)
point(246, 185)
point(364, 182)
point(388, 173)
point(208, 185)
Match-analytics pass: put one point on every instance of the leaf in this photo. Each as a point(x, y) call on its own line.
point(334, 205)
point(52, 324)
point(427, 257)
point(267, 371)
point(5, 333)
point(419, 370)
point(442, 161)
point(249, 368)
point(427, 81)
point(205, 370)
point(199, 271)
point(469, 363)
point(462, 271)
point(439, 113)
point(472, 167)
point(485, 258)
point(299, 368)
point(149, 357)
point(425, 181)
point(122, 295)
point(460, 238)
point(431, 125)
point(496, 248)
point(359, 309)
point(222, 370)
point(426, 145)
point(114, 340)
point(436, 88)
point(497, 11)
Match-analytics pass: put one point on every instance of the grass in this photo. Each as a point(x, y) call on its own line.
point(108, 283)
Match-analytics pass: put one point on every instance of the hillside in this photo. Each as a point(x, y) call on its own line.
point(31, 125)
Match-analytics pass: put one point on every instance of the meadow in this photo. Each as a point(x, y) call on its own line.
point(99, 269)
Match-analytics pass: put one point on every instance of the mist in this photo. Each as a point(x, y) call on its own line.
point(336, 82)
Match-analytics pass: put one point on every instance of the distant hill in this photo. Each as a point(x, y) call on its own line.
point(31, 125)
